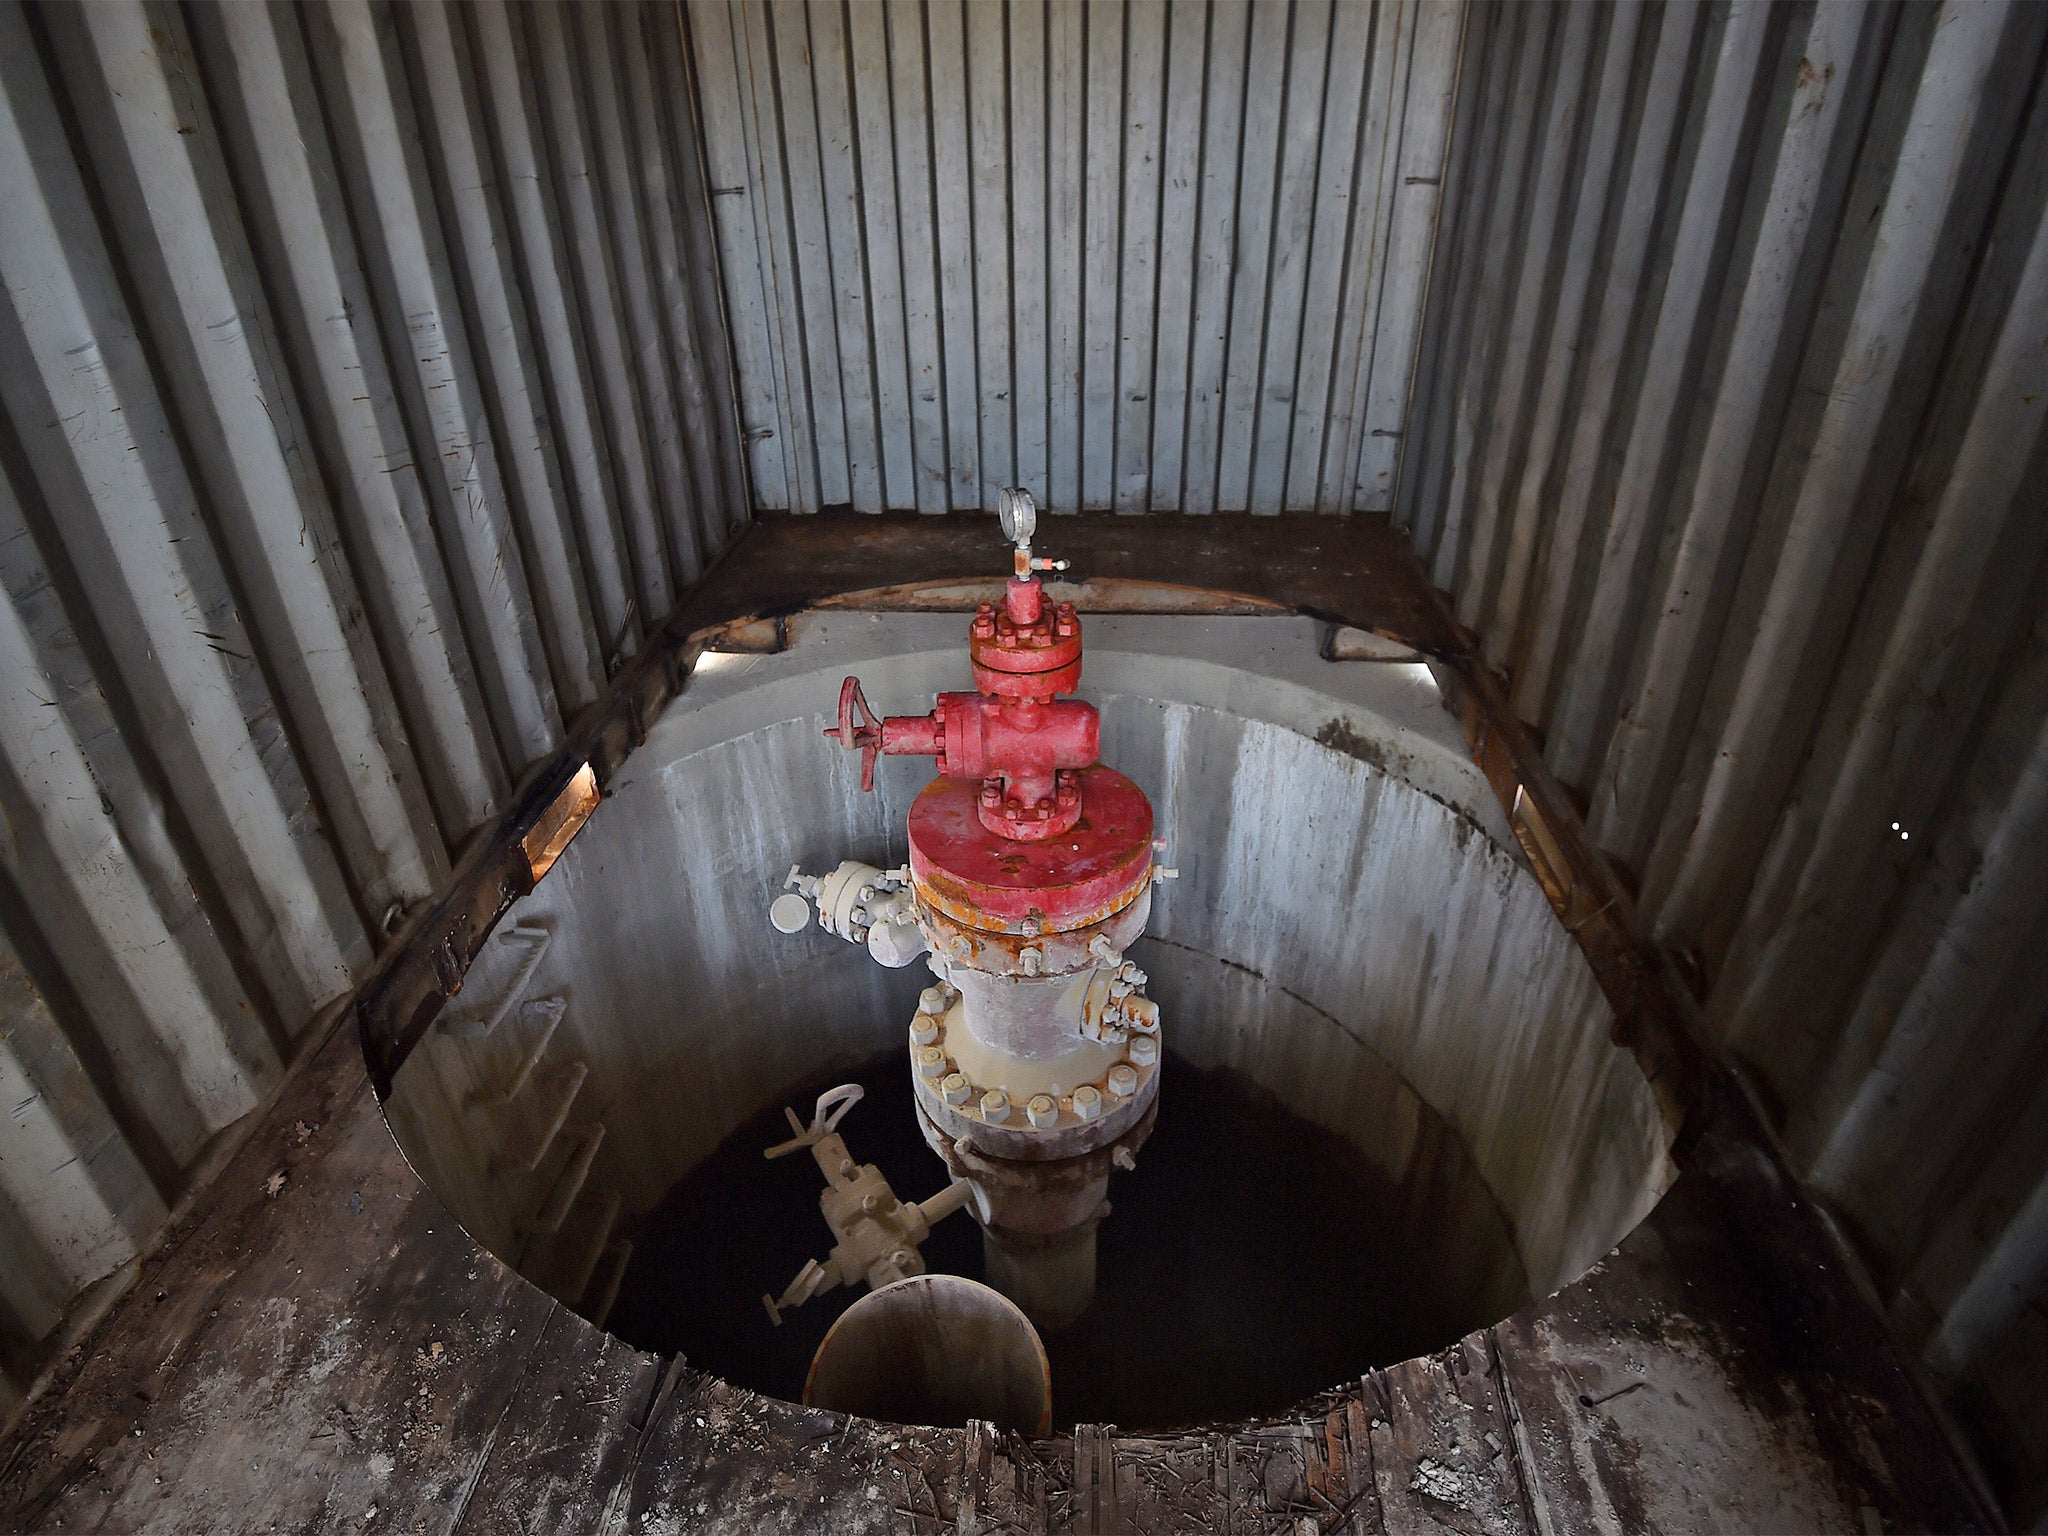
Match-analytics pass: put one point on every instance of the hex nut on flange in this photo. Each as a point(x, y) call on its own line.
point(931, 1000)
point(1143, 1050)
point(954, 1088)
point(931, 1061)
point(1043, 1110)
point(995, 1106)
point(1123, 1080)
point(1088, 1102)
point(924, 1029)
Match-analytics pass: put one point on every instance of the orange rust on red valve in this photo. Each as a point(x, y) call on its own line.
point(987, 881)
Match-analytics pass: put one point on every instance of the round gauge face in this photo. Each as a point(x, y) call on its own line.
point(1019, 515)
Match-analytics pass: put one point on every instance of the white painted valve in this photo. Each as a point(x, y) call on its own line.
point(858, 903)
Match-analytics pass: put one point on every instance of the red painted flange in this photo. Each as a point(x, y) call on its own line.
point(998, 884)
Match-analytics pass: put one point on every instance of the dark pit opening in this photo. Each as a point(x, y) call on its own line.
point(1252, 1259)
point(1392, 1110)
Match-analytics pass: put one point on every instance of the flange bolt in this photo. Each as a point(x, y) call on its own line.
point(1144, 1050)
point(931, 1000)
point(995, 1106)
point(1123, 1080)
point(1088, 1102)
point(1042, 1111)
point(931, 1061)
point(953, 1088)
point(924, 1030)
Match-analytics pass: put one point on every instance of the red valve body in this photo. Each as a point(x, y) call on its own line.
point(1021, 744)
point(1017, 766)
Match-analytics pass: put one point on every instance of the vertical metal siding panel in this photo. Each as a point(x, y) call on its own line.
point(1361, 143)
point(1475, 411)
point(602, 308)
point(791, 441)
point(1915, 712)
point(494, 309)
point(887, 314)
point(413, 285)
point(696, 420)
point(679, 105)
point(743, 257)
point(261, 82)
point(1063, 211)
point(810, 251)
point(1908, 238)
point(910, 98)
point(1882, 1154)
point(1528, 316)
point(1102, 251)
point(633, 261)
point(951, 139)
point(169, 555)
point(1844, 582)
point(991, 157)
point(201, 301)
point(1434, 71)
point(1223, 121)
point(1065, 194)
point(1031, 251)
point(1303, 153)
point(1272, 124)
point(1533, 493)
point(77, 385)
point(1139, 295)
point(1710, 201)
point(162, 1031)
point(1180, 206)
point(1433, 443)
point(74, 1184)
point(1638, 760)
point(509, 82)
point(840, 206)
point(1628, 254)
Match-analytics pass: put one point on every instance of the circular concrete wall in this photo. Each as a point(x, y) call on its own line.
point(1353, 930)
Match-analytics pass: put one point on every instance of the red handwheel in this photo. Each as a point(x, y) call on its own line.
point(859, 729)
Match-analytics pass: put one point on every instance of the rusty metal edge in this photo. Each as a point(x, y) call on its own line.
point(1108, 594)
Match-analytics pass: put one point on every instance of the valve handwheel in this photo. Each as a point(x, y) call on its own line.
point(859, 730)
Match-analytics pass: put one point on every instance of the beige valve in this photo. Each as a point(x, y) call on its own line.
point(878, 1235)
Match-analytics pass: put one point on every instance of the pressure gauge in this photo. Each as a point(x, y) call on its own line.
point(1018, 513)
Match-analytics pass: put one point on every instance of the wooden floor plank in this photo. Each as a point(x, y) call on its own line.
point(1441, 1456)
point(567, 1434)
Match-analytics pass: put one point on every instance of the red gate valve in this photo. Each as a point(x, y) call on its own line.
point(1025, 752)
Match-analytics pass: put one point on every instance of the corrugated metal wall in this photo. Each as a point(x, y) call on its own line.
point(1137, 256)
point(1729, 444)
point(362, 397)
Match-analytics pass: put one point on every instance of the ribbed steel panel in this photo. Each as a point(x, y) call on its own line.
point(1141, 256)
point(1729, 443)
point(365, 398)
